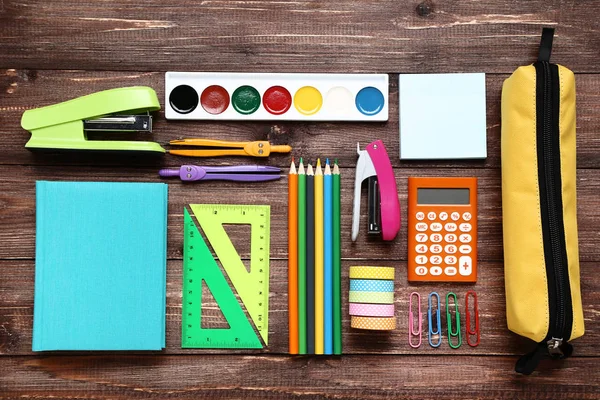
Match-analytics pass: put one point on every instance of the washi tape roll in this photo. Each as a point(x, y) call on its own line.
point(372, 310)
point(373, 323)
point(372, 273)
point(368, 285)
point(372, 297)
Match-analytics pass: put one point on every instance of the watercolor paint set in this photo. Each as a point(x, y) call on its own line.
point(266, 96)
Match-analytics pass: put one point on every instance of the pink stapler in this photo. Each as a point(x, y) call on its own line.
point(384, 207)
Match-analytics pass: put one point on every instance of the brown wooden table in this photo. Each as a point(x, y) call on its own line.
point(54, 51)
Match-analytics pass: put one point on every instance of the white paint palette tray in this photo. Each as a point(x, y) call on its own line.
point(286, 97)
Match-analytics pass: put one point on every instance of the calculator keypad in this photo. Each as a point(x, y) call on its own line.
point(443, 245)
point(442, 229)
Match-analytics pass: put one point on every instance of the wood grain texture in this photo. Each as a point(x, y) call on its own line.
point(16, 313)
point(55, 51)
point(304, 35)
point(17, 194)
point(280, 377)
point(25, 89)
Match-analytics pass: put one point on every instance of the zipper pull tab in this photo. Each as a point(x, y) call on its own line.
point(528, 363)
point(546, 45)
point(555, 347)
point(559, 348)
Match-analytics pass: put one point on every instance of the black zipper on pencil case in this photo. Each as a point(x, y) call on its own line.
point(551, 206)
point(555, 344)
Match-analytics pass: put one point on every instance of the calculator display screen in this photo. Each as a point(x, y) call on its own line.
point(443, 196)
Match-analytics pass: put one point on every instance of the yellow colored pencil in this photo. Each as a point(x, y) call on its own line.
point(319, 270)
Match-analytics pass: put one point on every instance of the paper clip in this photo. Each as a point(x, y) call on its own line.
point(411, 321)
point(453, 333)
point(471, 332)
point(438, 320)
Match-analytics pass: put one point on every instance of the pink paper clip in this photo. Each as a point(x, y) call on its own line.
point(411, 321)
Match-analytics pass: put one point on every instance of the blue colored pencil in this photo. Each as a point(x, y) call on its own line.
point(328, 256)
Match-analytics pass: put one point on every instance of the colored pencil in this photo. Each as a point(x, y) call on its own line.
point(310, 260)
point(301, 259)
point(337, 262)
point(319, 303)
point(293, 258)
point(328, 258)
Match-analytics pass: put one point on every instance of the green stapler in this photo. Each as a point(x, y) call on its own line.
point(65, 125)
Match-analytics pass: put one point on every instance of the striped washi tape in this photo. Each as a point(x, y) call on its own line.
point(372, 273)
point(372, 297)
point(368, 285)
point(373, 323)
point(372, 310)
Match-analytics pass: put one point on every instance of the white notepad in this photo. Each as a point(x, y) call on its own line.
point(442, 116)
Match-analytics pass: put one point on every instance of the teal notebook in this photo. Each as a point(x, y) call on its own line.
point(100, 266)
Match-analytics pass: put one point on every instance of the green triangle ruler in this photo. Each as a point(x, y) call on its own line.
point(252, 286)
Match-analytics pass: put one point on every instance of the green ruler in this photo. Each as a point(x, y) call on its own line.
point(200, 266)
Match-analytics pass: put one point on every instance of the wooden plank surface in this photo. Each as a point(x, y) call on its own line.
point(24, 89)
point(280, 377)
point(54, 51)
point(318, 36)
point(16, 313)
point(17, 192)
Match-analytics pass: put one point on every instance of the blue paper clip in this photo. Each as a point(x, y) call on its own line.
point(453, 332)
point(438, 320)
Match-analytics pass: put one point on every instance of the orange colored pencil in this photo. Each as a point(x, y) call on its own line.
point(293, 258)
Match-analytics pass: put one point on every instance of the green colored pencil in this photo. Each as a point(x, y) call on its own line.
point(301, 259)
point(337, 262)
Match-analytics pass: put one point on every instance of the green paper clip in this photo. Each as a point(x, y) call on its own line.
point(63, 126)
point(453, 333)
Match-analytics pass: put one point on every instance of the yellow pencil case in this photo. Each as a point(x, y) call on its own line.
point(541, 256)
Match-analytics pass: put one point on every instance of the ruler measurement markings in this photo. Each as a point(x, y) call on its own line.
point(209, 216)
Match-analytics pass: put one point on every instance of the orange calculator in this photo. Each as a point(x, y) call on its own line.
point(442, 229)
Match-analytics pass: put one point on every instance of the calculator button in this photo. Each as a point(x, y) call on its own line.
point(467, 216)
point(450, 238)
point(435, 259)
point(422, 237)
point(450, 271)
point(435, 270)
point(443, 216)
point(431, 216)
point(421, 259)
point(436, 238)
point(450, 227)
point(436, 248)
point(421, 270)
point(421, 227)
point(420, 215)
point(450, 249)
point(421, 248)
point(465, 227)
point(455, 216)
point(450, 260)
point(465, 238)
point(465, 249)
point(436, 227)
point(465, 266)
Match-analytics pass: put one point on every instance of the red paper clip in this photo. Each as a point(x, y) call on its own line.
point(472, 332)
